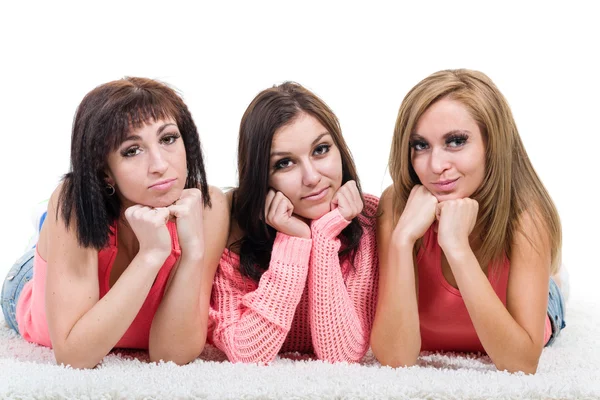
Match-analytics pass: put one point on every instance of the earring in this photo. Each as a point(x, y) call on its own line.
point(110, 189)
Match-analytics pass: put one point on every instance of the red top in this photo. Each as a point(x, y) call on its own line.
point(31, 310)
point(444, 320)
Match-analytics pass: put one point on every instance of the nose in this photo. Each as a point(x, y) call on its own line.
point(157, 161)
point(310, 174)
point(439, 161)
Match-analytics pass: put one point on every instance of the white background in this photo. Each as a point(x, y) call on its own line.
point(361, 58)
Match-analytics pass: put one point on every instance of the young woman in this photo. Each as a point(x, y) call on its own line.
point(468, 235)
point(132, 238)
point(300, 272)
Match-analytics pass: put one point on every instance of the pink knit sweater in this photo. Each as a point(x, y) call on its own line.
point(307, 301)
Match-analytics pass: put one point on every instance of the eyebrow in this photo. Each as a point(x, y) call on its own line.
point(314, 142)
point(452, 133)
point(158, 132)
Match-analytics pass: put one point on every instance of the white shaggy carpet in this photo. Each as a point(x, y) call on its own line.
point(570, 369)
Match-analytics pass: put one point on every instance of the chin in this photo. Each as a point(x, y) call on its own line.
point(315, 212)
point(164, 201)
point(449, 196)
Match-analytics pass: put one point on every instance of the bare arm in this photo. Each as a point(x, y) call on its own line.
point(178, 331)
point(513, 335)
point(83, 329)
point(396, 336)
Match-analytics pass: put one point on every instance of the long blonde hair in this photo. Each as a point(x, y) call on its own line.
point(510, 185)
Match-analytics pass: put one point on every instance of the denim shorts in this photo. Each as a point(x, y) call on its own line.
point(556, 311)
point(20, 273)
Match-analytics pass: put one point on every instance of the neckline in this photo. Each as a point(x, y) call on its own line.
point(440, 275)
point(113, 247)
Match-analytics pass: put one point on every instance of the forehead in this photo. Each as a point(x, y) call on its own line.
point(301, 132)
point(443, 116)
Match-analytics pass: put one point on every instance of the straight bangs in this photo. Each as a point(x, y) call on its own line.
point(136, 110)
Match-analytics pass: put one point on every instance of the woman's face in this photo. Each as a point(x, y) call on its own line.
point(149, 167)
point(306, 166)
point(447, 151)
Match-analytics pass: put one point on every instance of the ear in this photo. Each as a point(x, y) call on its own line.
point(108, 178)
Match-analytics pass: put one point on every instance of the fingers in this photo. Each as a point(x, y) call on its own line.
point(348, 200)
point(157, 216)
point(277, 207)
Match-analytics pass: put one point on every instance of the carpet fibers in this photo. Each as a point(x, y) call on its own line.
point(569, 369)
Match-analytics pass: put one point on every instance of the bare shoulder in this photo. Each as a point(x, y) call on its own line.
point(59, 244)
point(52, 222)
point(385, 211)
point(218, 199)
point(216, 217)
point(531, 240)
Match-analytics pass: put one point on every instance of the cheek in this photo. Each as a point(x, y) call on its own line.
point(283, 184)
point(332, 167)
point(419, 164)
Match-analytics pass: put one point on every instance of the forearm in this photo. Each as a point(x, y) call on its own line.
point(507, 343)
point(338, 331)
point(396, 336)
point(252, 326)
point(178, 331)
point(99, 329)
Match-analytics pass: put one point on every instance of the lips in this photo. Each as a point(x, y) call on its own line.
point(445, 185)
point(163, 185)
point(317, 195)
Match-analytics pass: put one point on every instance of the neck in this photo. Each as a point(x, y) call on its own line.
point(126, 239)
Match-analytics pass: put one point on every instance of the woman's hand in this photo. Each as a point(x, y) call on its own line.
point(347, 199)
point(149, 226)
point(456, 222)
point(188, 214)
point(279, 213)
point(417, 217)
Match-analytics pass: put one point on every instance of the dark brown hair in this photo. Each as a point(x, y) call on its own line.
point(270, 110)
point(103, 120)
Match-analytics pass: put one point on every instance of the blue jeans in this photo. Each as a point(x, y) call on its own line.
point(20, 273)
point(556, 311)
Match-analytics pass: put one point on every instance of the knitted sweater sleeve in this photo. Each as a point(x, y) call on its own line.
point(342, 300)
point(250, 322)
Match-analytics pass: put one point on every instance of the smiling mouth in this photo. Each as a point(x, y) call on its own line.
point(316, 196)
point(447, 185)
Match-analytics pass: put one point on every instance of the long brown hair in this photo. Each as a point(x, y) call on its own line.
point(510, 185)
point(270, 110)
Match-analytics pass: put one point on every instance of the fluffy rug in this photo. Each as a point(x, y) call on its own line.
point(570, 369)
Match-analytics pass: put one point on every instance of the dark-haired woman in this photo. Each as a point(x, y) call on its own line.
point(124, 258)
point(300, 271)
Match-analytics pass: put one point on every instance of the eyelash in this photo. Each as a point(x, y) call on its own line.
point(459, 140)
point(320, 150)
point(168, 139)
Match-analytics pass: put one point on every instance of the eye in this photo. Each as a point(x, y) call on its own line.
point(283, 163)
point(131, 151)
point(170, 138)
point(419, 145)
point(321, 149)
point(456, 141)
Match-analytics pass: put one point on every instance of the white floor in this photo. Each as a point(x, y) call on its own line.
point(570, 369)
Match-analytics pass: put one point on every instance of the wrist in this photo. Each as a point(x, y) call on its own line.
point(456, 250)
point(152, 258)
point(403, 240)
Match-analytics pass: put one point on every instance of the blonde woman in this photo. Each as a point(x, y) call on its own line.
point(468, 236)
